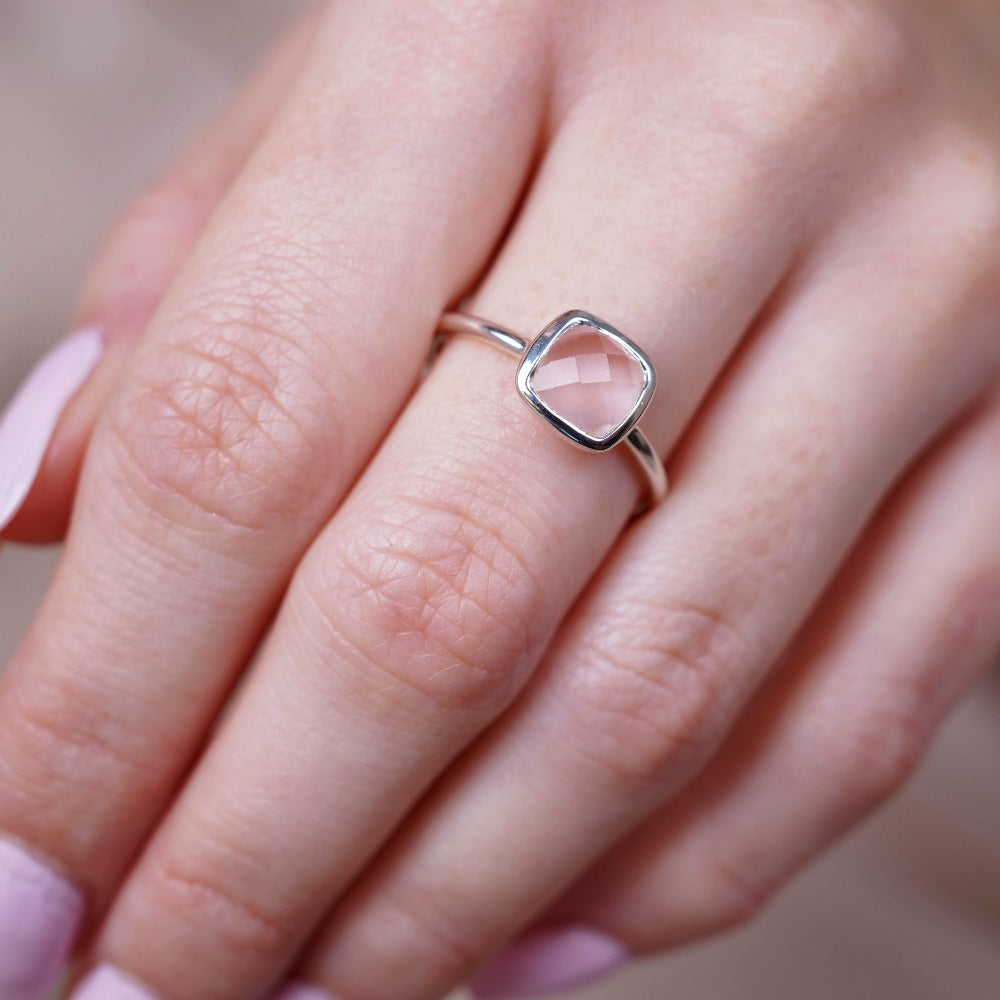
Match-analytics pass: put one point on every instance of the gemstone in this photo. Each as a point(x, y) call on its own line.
point(588, 380)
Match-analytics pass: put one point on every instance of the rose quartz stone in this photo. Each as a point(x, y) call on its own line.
point(588, 381)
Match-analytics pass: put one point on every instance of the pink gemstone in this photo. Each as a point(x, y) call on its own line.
point(588, 381)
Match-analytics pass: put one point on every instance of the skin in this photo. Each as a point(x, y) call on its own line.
point(468, 652)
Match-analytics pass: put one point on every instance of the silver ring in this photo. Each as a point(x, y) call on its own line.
point(590, 382)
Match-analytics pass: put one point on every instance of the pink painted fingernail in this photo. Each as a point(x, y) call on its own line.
point(27, 426)
point(303, 991)
point(105, 982)
point(549, 961)
point(40, 912)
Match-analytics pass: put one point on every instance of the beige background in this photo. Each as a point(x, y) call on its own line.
point(94, 95)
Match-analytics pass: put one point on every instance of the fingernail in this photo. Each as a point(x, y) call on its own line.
point(105, 982)
point(27, 425)
point(549, 961)
point(40, 912)
point(303, 991)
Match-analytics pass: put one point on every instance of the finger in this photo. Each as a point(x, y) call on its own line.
point(266, 378)
point(909, 624)
point(45, 430)
point(773, 485)
point(438, 661)
point(431, 595)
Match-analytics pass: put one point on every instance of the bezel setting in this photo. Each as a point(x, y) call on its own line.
point(535, 356)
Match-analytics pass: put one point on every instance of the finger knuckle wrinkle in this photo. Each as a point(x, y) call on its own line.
point(839, 59)
point(243, 927)
point(439, 600)
point(660, 696)
point(449, 946)
point(733, 895)
point(218, 426)
point(69, 745)
point(881, 750)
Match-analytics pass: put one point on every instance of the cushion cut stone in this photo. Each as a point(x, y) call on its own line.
point(586, 379)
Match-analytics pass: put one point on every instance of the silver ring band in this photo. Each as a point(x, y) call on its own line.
point(552, 352)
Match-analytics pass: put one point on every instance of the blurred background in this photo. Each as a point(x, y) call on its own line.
point(95, 95)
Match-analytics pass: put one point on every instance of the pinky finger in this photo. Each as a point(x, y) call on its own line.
point(906, 628)
point(45, 430)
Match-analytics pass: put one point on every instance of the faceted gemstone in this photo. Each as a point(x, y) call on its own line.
point(588, 381)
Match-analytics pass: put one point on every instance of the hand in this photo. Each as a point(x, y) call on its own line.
point(485, 704)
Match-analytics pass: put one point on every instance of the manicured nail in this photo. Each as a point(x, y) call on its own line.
point(302, 991)
point(549, 961)
point(27, 425)
point(40, 912)
point(105, 982)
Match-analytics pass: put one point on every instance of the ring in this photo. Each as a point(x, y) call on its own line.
point(590, 382)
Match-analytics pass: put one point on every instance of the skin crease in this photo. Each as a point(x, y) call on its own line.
point(794, 206)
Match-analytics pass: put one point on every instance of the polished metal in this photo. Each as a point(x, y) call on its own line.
point(531, 353)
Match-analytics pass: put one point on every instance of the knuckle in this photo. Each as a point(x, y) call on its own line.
point(489, 22)
point(437, 598)
point(657, 696)
point(144, 247)
point(215, 425)
point(60, 744)
point(968, 219)
point(175, 201)
point(168, 210)
point(709, 888)
point(841, 60)
point(465, 36)
point(957, 198)
point(881, 750)
point(730, 895)
point(854, 53)
point(418, 930)
point(413, 931)
point(199, 898)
